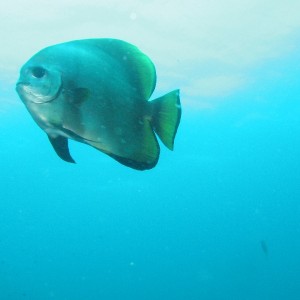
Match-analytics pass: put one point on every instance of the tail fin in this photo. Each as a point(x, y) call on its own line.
point(165, 118)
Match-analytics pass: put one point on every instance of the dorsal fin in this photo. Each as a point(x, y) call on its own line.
point(140, 69)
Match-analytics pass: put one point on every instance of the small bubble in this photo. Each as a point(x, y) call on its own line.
point(52, 294)
point(133, 16)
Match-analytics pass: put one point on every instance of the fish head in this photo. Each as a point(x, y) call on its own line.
point(39, 82)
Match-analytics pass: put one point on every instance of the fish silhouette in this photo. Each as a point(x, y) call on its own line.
point(97, 91)
point(264, 247)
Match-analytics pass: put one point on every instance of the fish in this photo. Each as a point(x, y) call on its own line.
point(264, 247)
point(97, 92)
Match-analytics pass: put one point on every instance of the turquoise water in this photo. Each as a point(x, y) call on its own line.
point(218, 218)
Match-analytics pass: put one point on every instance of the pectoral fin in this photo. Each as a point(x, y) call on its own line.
point(76, 96)
point(60, 145)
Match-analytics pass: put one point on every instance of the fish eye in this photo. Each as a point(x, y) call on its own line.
point(38, 72)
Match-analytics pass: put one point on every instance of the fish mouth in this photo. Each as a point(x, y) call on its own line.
point(22, 88)
point(21, 84)
point(26, 94)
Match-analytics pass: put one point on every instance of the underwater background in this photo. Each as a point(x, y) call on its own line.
point(218, 218)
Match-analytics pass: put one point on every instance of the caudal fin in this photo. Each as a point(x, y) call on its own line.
point(165, 118)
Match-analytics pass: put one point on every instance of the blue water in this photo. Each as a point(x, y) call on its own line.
point(218, 218)
point(189, 229)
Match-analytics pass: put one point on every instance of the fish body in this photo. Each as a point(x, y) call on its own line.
point(97, 92)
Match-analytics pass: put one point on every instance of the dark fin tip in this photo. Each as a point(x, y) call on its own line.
point(140, 166)
point(61, 147)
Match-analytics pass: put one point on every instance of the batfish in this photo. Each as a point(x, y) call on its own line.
point(97, 92)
